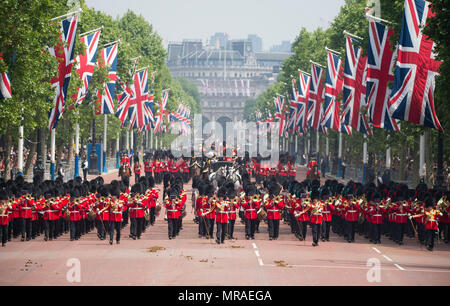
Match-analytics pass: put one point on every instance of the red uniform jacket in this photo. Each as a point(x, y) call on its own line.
point(222, 215)
point(376, 215)
point(400, 214)
point(173, 209)
point(251, 208)
point(75, 211)
point(117, 215)
point(274, 209)
point(300, 208)
point(137, 208)
point(207, 207)
point(326, 212)
point(103, 215)
point(51, 211)
point(137, 169)
point(25, 208)
point(351, 212)
point(232, 211)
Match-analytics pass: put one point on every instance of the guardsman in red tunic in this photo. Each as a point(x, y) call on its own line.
point(5, 206)
point(251, 206)
point(301, 214)
point(431, 224)
point(401, 211)
point(222, 208)
point(35, 218)
point(74, 209)
point(199, 203)
point(274, 206)
point(326, 219)
point(50, 209)
point(116, 208)
point(102, 213)
point(136, 207)
point(153, 201)
point(351, 211)
point(147, 168)
point(292, 172)
point(375, 213)
point(232, 213)
point(173, 207)
point(26, 215)
point(208, 211)
point(316, 220)
point(444, 220)
point(158, 170)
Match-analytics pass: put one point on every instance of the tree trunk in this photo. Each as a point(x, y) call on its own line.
point(8, 145)
point(70, 152)
point(416, 156)
point(428, 157)
point(28, 164)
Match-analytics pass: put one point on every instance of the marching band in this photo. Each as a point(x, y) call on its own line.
point(54, 208)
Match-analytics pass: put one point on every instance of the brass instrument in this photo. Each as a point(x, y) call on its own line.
point(256, 197)
point(102, 199)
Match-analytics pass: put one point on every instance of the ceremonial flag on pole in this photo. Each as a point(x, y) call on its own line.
point(412, 97)
point(380, 64)
point(304, 85)
point(106, 99)
point(355, 88)
point(64, 51)
point(5, 84)
point(85, 65)
point(315, 97)
point(333, 86)
point(124, 105)
point(138, 114)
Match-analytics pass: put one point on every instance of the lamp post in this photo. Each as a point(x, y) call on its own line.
point(93, 169)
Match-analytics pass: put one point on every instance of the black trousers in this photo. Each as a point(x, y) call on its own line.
point(274, 227)
point(303, 228)
point(4, 233)
point(136, 227)
point(102, 228)
point(315, 229)
point(429, 238)
point(399, 230)
point(250, 227)
point(137, 177)
point(85, 172)
point(325, 231)
point(201, 226)
point(74, 229)
point(209, 227)
point(49, 229)
point(173, 224)
point(152, 215)
point(221, 231)
point(114, 225)
point(375, 231)
point(26, 227)
point(230, 229)
point(351, 227)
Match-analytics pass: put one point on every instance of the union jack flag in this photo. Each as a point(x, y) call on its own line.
point(355, 88)
point(64, 51)
point(148, 106)
point(85, 64)
point(137, 112)
point(304, 85)
point(106, 99)
point(163, 104)
point(124, 105)
point(5, 86)
point(380, 64)
point(279, 104)
point(333, 86)
point(315, 97)
point(412, 97)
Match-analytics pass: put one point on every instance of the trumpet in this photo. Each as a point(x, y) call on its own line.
point(256, 197)
point(234, 200)
point(102, 199)
point(213, 199)
point(278, 198)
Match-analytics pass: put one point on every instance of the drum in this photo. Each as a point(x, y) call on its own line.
point(262, 214)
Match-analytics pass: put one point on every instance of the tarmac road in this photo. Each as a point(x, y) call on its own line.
point(189, 260)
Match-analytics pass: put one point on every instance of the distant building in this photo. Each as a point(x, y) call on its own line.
point(219, 40)
point(225, 77)
point(256, 42)
point(285, 46)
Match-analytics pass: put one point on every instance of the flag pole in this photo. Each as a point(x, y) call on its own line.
point(52, 155)
point(368, 16)
point(105, 129)
point(77, 148)
point(112, 43)
point(332, 51)
point(351, 35)
point(117, 150)
point(317, 64)
point(92, 31)
point(67, 15)
point(299, 70)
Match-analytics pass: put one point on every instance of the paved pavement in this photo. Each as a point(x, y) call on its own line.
point(189, 260)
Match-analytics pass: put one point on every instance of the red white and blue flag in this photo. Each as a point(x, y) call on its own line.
point(279, 114)
point(315, 97)
point(412, 96)
point(137, 112)
point(64, 51)
point(5, 86)
point(355, 88)
point(124, 103)
point(106, 99)
point(304, 84)
point(333, 86)
point(380, 63)
point(85, 64)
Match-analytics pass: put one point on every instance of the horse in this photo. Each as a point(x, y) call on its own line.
point(124, 170)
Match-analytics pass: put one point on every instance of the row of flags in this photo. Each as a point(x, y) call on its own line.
point(241, 88)
point(182, 116)
point(364, 83)
point(135, 104)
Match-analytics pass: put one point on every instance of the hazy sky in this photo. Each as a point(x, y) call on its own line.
point(272, 20)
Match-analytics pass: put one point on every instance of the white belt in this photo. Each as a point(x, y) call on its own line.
point(250, 209)
point(377, 215)
point(136, 207)
point(50, 211)
point(401, 214)
point(3, 215)
point(223, 212)
point(117, 212)
point(352, 211)
point(172, 210)
point(74, 211)
point(326, 212)
point(315, 214)
point(25, 207)
point(273, 210)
